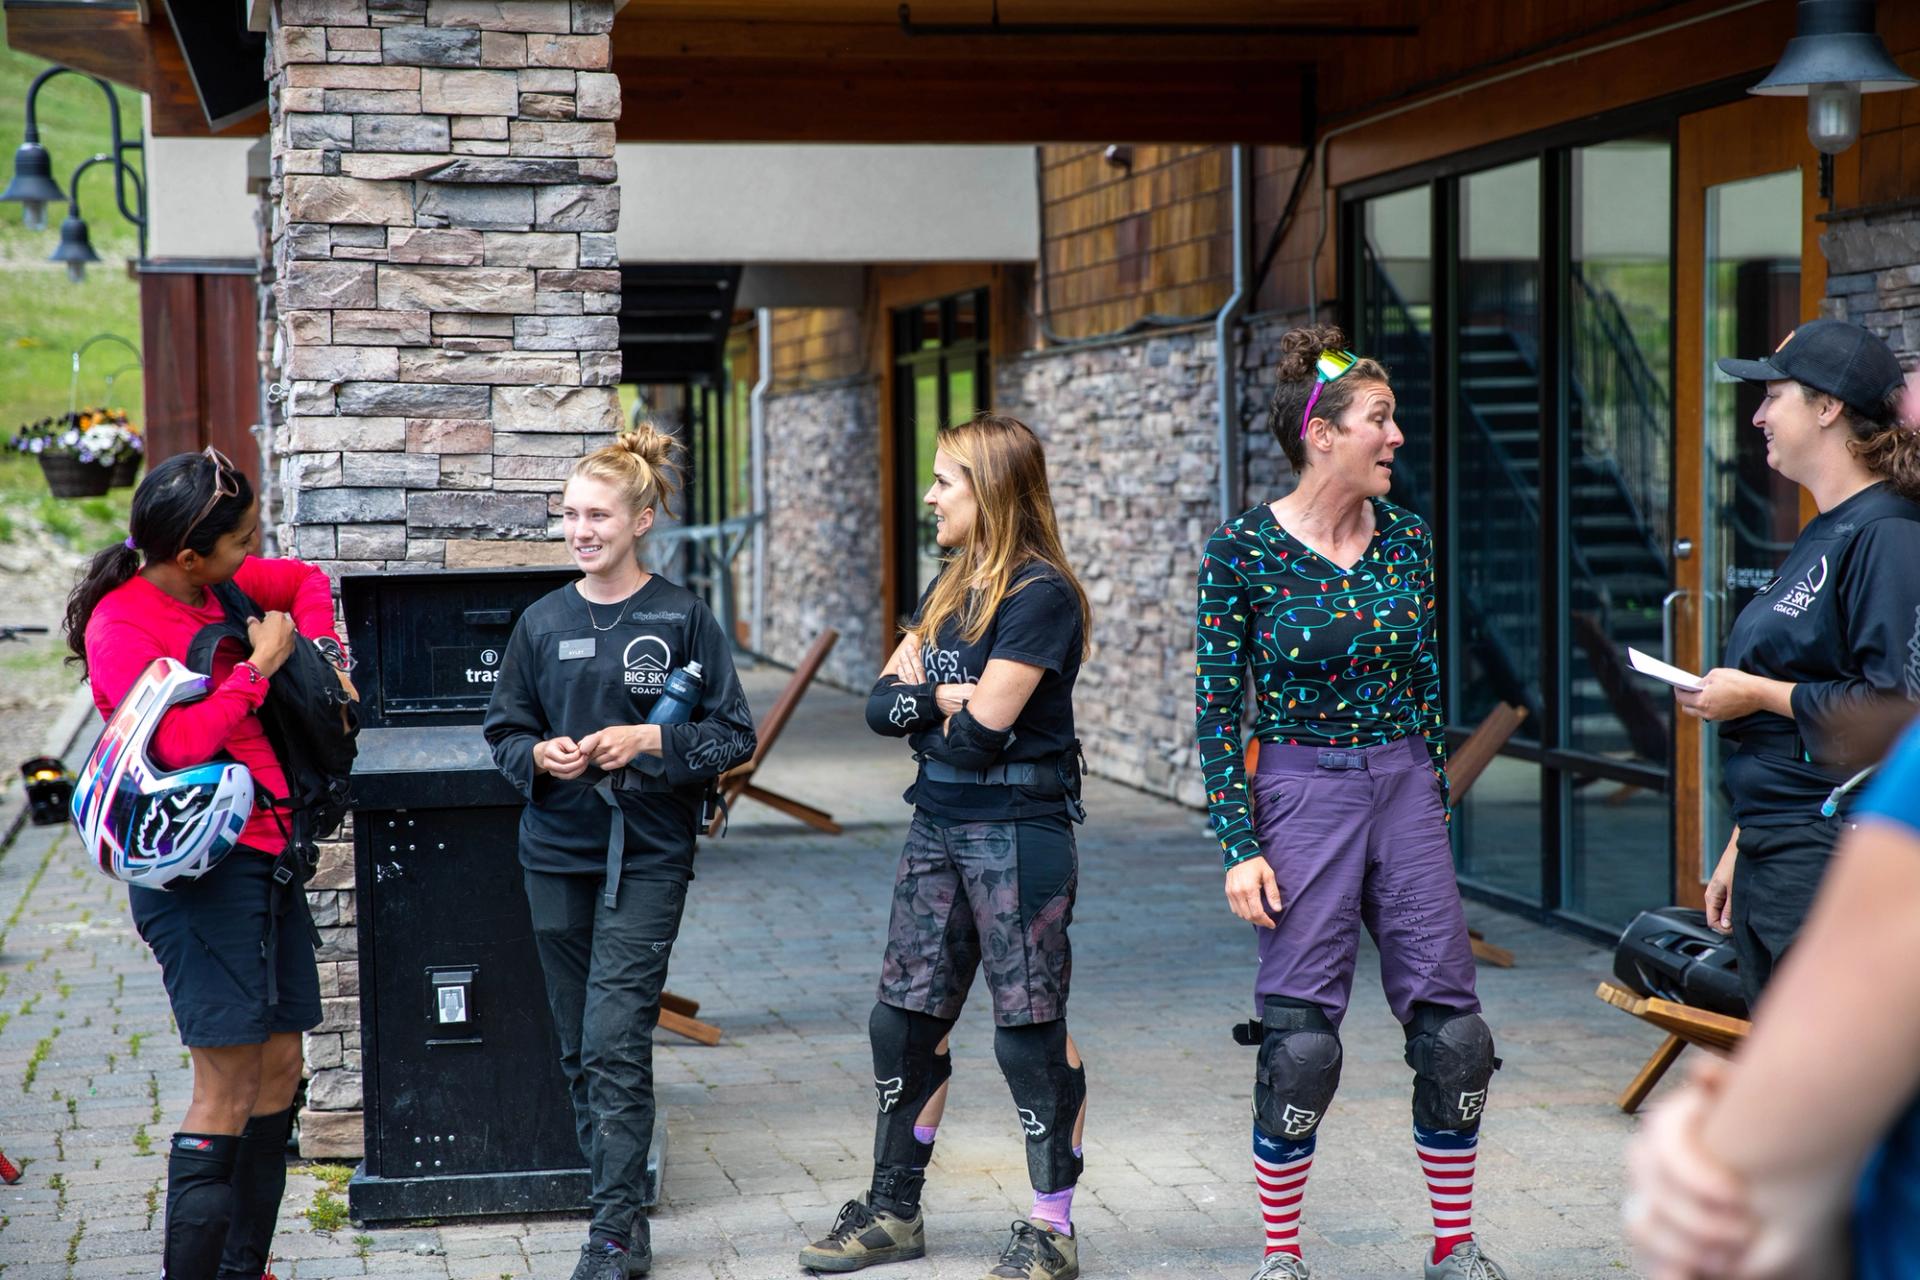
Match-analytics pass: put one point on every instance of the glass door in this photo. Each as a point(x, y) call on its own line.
point(1749, 271)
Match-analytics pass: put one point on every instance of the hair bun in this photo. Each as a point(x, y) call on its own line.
point(1300, 348)
point(648, 443)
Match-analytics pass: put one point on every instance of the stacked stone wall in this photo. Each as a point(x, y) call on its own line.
point(1873, 273)
point(824, 529)
point(444, 320)
point(1132, 438)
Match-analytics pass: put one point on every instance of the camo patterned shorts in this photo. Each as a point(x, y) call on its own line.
point(972, 892)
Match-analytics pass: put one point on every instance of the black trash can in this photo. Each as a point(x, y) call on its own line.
point(466, 1110)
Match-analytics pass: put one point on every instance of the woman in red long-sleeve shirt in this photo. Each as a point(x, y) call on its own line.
point(195, 524)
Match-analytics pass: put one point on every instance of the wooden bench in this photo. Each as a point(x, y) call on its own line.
point(1684, 1025)
point(738, 781)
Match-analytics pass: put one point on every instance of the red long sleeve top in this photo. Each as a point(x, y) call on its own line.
point(138, 622)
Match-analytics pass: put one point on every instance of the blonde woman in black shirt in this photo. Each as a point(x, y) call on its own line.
point(1834, 634)
point(613, 804)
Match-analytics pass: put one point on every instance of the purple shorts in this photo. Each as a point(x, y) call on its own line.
point(1359, 837)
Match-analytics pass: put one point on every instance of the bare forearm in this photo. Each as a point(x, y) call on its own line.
point(1833, 1058)
point(1775, 696)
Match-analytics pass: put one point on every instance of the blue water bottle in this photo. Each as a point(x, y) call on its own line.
point(679, 698)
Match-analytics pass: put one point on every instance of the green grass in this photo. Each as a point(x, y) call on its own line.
point(43, 317)
point(334, 1177)
point(327, 1212)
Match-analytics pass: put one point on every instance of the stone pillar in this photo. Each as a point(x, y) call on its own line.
point(447, 290)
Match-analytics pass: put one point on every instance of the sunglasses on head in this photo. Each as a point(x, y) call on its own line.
point(226, 484)
point(1328, 367)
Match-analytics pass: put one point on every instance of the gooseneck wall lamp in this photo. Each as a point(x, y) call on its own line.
point(33, 187)
point(1833, 58)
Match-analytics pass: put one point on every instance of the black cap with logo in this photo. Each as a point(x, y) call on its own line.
point(1841, 359)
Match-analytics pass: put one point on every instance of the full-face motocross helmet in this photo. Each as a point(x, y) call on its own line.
point(150, 826)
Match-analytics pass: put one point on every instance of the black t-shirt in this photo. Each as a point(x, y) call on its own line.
point(1842, 623)
point(1038, 623)
point(564, 675)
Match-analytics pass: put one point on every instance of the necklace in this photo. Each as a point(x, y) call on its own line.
point(622, 608)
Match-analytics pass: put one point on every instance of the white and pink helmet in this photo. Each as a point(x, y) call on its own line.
point(150, 826)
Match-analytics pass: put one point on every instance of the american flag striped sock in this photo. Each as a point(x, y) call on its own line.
point(1447, 1159)
point(1280, 1171)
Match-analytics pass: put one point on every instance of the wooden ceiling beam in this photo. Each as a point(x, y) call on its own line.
point(729, 103)
point(840, 43)
point(1142, 12)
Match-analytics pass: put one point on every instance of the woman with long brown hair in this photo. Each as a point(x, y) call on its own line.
point(981, 686)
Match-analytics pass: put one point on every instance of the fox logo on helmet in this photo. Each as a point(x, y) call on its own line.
point(168, 822)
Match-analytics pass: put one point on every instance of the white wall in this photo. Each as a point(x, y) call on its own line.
point(197, 201)
point(798, 203)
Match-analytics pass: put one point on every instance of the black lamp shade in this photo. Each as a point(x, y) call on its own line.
point(33, 177)
point(1834, 43)
point(75, 244)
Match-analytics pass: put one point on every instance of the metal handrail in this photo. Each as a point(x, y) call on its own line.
point(1620, 396)
point(710, 550)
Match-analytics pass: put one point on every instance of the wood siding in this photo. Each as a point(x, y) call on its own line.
point(202, 370)
point(1889, 150)
point(817, 344)
point(1122, 244)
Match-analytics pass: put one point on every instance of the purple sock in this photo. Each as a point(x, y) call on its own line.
point(1055, 1208)
point(923, 1133)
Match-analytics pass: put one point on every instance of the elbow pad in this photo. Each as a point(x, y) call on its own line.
point(896, 710)
point(970, 744)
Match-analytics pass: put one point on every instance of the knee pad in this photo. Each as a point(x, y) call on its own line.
point(1048, 1094)
point(906, 1073)
point(1299, 1068)
point(1452, 1057)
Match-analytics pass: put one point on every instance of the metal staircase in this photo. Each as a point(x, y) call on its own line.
point(1617, 450)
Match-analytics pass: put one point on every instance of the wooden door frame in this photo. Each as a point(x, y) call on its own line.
point(1744, 139)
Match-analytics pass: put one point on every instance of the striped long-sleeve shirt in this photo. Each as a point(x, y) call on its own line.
point(1338, 656)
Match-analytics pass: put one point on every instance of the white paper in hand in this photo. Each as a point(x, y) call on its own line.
point(1648, 665)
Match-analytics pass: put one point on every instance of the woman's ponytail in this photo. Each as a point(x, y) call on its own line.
point(107, 571)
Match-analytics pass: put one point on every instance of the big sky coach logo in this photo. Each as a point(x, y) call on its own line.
point(1801, 597)
point(647, 660)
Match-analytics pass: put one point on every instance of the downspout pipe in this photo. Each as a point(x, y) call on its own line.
point(1230, 315)
point(757, 466)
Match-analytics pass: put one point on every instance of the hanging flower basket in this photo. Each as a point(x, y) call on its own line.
point(68, 477)
point(83, 454)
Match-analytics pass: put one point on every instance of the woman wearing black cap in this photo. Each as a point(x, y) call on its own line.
point(1836, 633)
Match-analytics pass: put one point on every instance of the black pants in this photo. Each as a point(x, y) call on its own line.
point(604, 970)
point(1774, 883)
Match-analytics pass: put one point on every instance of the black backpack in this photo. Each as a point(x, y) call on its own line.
point(309, 721)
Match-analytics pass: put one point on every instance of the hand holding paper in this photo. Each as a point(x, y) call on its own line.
point(1648, 665)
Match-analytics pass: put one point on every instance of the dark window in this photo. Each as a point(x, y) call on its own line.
point(941, 376)
point(1523, 303)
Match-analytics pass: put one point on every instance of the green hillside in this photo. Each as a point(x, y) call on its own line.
point(43, 317)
